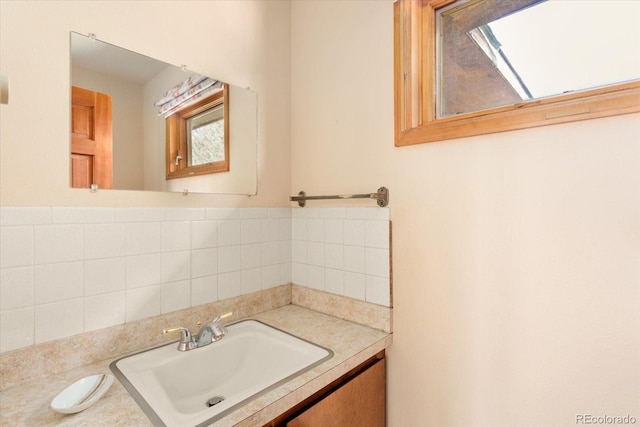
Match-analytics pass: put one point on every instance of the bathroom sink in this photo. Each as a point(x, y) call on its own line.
point(197, 387)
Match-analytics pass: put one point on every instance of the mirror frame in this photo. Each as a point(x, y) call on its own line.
point(414, 90)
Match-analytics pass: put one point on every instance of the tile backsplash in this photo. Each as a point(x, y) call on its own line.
point(65, 271)
point(343, 251)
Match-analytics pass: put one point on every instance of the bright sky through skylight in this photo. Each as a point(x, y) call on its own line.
point(565, 45)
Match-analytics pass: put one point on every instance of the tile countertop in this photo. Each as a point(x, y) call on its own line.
point(352, 344)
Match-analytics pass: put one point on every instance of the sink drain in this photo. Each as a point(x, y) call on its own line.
point(214, 401)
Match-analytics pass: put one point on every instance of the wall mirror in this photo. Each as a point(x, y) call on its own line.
point(134, 83)
point(472, 67)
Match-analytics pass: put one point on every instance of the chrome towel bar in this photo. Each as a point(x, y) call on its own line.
point(382, 197)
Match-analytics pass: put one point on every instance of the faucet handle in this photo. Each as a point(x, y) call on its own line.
point(185, 334)
point(222, 316)
point(218, 330)
point(186, 342)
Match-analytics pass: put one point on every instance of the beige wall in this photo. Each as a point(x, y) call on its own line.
point(515, 255)
point(248, 47)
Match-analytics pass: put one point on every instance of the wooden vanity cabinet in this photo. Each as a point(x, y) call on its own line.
point(356, 399)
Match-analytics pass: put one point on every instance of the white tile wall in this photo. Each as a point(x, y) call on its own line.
point(16, 288)
point(102, 276)
point(204, 290)
point(16, 246)
point(17, 328)
point(58, 282)
point(103, 241)
point(58, 320)
point(228, 285)
point(142, 302)
point(204, 262)
point(57, 243)
point(64, 271)
point(104, 310)
point(143, 270)
point(142, 238)
point(355, 286)
point(344, 251)
point(175, 296)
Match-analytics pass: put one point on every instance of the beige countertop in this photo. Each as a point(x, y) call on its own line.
point(28, 404)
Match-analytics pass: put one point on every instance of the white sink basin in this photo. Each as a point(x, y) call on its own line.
point(175, 388)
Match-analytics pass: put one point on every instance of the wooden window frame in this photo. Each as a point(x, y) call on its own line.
point(414, 90)
point(176, 140)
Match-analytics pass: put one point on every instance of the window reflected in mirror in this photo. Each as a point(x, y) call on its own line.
point(205, 137)
point(198, 136)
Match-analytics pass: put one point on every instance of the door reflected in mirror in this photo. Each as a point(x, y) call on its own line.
point(135, 83)
point(91, 139)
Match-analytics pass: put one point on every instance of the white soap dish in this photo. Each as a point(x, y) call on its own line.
point(82, 394)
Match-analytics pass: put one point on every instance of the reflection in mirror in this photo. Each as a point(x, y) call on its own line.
point(134, 83)
point(198, 133)
point(496, 53)
point(205, 137)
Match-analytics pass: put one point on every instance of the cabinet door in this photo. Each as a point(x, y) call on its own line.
point(358, 403)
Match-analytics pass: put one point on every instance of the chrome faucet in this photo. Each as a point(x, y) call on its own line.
point(211, 332)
